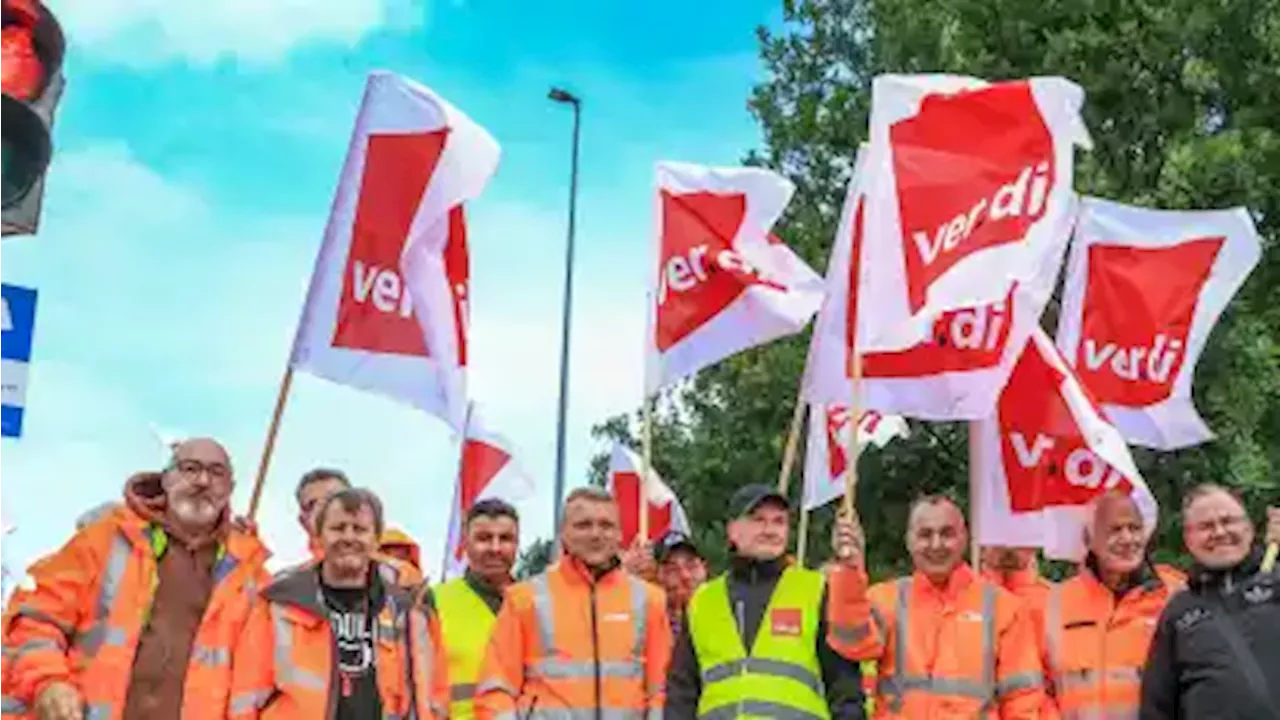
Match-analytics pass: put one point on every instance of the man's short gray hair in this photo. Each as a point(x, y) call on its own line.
point(1208, 488)
point(590, 493)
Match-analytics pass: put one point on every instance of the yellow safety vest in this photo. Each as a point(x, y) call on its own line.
point(466, 623)
point(781, 677)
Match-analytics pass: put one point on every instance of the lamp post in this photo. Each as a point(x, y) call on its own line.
point(564, 96)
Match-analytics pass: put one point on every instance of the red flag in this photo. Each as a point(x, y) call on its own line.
point(665, 511)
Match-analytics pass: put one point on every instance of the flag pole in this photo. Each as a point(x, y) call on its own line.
point(269, 447)
point(457, 495)
point(855, 416)
point(802, 534)
point(975, 518)
point(793, 442)
point(646, 462)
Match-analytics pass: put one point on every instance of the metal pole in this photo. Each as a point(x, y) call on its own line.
point(564, 326)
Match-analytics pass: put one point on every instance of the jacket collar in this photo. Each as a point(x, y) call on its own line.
point(575, 571)
point(750, 570)
point(1144, 577)
point(961, 578)
point(300, 588)
point(1202, 578)
point(1026, 577)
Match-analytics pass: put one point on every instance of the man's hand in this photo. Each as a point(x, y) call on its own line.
point(59, 701)
point(1273, 525)
point(638, 560)
point(847, 540)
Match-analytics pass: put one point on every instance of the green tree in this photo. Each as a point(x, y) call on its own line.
point(534, 559)
point(1183, 101)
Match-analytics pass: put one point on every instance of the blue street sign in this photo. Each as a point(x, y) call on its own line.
point(15, 354)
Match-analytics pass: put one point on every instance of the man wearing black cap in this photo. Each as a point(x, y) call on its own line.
point(754, 643)
point(681, 569)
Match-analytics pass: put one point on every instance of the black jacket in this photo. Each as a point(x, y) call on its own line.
point(751, 585)
point(1192, 671)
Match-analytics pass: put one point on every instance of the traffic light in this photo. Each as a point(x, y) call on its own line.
point(31, 78)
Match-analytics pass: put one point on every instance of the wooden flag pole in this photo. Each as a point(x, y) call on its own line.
point(646, 462)
point(975, 518)
point(802, 534)
point(272, 430)
point(793, 443)
point(855, 415)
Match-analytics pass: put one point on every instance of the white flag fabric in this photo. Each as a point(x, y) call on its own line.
point(968, 185)
point(487, 468)
point(665, 511)
point(721, 282)
point(957, 373)
point(826, 453)
point(1044, 455)
point(1143, 291)
point(372, 321)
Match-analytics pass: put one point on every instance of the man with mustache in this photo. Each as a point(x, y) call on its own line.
point(755, 641)
point(138, 615)
point(1216, 652)
point(1098, 625)
point(335, 641)
point(469, 605)
point(584, 638)
point(313, 489)
point(943, 638)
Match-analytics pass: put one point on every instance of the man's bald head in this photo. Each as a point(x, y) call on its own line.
point(936, 537)
point(1115, 534)
point(934, 504)
point(197, 483)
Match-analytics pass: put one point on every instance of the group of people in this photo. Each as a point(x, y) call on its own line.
point(160, 607)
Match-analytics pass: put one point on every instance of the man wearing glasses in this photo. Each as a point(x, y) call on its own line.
point(138, 614)
point(1216, 651)
point(681, 569)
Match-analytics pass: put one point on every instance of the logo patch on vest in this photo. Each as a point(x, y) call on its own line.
point(785, 622)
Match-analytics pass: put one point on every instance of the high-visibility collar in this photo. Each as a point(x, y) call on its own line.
point(576, 571)
point(961, 578)
point(1016, 580)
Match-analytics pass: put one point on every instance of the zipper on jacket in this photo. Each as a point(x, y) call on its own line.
point(595, 652)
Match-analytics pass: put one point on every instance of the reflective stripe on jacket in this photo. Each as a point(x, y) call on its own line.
point(1096, 647)
point(781, 676)
point(285, 670)
point(967, 650)
point(82, 621)
point(466, 623)
point(566, 645)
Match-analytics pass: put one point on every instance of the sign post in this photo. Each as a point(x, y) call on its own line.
point(15, 354)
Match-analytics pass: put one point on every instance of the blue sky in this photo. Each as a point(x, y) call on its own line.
point(198, 146)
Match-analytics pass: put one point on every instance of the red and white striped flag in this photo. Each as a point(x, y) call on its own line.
point(722, 282)
point(487, 469)
point(1044, 455)
point(386, 309)
point(1144, 289)
point(665, 511)
point(826, 453)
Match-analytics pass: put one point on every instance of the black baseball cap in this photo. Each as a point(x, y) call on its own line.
point(750, 497)
point(671, 542)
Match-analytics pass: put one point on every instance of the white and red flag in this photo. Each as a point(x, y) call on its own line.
point(1044, 455)
point(487, 468)
point(957, 372)
point(386, 309)
point(721, 282)
point(968, 186)
point(1143, 291)
point(827, 452)
point(665, 511)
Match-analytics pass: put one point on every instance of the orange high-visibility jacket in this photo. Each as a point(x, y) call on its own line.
point(1029, 586)
point(82, 621)
point(396, 538)
point(968, 650)
point(565, 642)
point(284, 670)
point(1095, 646)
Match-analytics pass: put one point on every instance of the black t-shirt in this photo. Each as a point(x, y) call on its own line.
point(351, 614)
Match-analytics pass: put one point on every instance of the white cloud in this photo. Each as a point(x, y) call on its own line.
point(149, 32)
point(156, 307)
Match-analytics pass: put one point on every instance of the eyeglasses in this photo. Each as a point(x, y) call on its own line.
point(1228, 523)
point(192, 469)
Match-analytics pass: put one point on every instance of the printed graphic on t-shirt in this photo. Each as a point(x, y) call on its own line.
point(355, 642)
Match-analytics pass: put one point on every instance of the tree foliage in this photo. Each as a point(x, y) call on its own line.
point(534, 559)
point(1183, 101)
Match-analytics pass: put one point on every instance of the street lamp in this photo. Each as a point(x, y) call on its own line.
point(564, 96)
